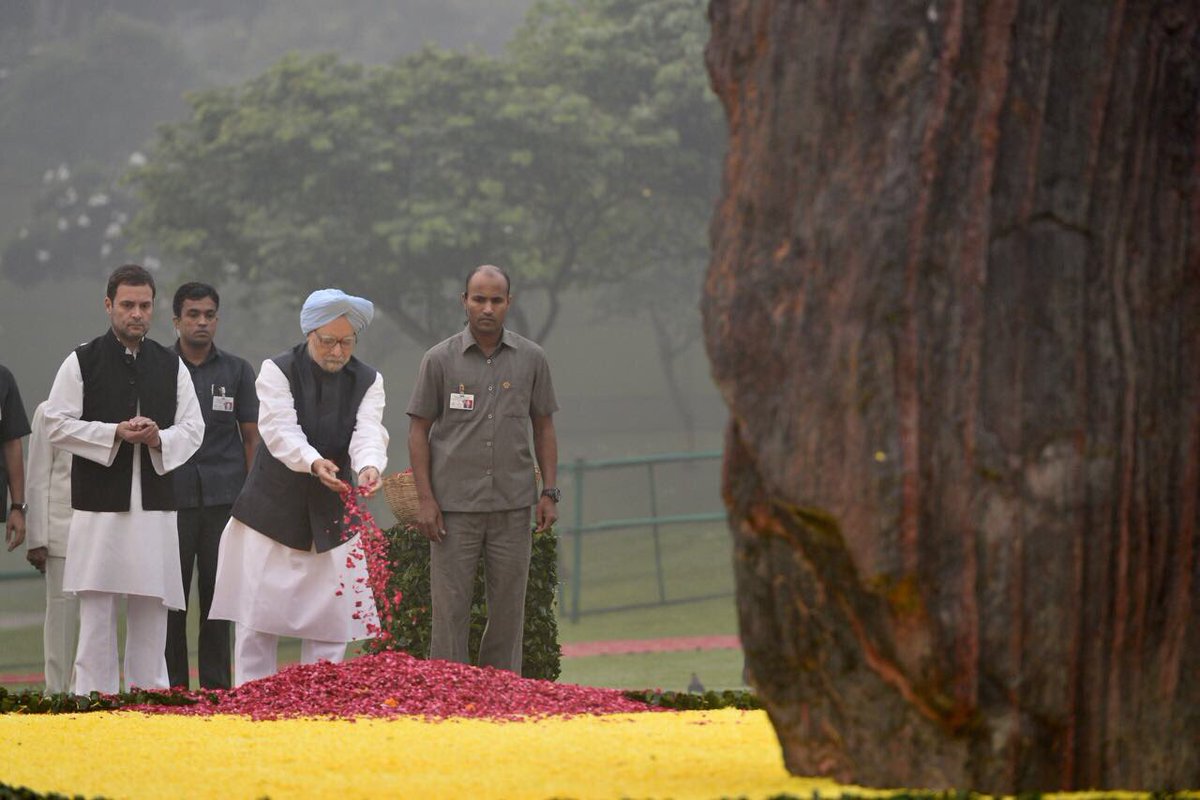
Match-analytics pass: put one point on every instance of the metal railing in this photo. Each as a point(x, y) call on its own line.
point(578, 469)
point(20, 575)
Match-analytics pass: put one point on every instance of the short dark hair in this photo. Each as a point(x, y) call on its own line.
point(193, 290)
point(133, 275)
point(491, 268)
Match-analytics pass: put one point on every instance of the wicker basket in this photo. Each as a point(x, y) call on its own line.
point(400, 491)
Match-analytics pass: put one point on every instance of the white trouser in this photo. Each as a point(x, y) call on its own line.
point(96, 667)
point(61, 629)
point(255, 653)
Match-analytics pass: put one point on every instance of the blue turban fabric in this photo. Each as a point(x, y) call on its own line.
point(325, 305)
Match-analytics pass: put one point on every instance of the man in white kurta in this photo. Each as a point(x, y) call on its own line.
point(130, 554)
point(48, 494)
point(283, 569)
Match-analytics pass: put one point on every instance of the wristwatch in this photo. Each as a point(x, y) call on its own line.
point(554, 493)
point(19, 507)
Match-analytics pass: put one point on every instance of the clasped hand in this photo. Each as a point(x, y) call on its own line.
point(140, 430)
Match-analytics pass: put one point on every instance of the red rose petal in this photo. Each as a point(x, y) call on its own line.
point(433, 689)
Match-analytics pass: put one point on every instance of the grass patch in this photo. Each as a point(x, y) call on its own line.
point(619, 568)
point(716, 669)
point(715, 616)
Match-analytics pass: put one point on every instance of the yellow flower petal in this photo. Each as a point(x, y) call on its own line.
point(700, 754)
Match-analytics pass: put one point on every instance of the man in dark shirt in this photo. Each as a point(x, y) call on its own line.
point(13, 425)
point(207, 485)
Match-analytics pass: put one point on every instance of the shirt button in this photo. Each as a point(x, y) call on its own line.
point(490, 388)
point(489, 472)
point(489, 444)
point(489, 361)
point(489, 416)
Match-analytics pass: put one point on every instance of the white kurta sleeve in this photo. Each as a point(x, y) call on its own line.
point(278, 424)
point(37, 483)
point(95, 441)
point(368, 445)
point(184, 437)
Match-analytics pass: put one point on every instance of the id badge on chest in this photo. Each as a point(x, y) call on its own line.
point(221, 402)
point(461, 401)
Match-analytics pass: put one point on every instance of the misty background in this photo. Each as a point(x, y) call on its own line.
point(272, 147)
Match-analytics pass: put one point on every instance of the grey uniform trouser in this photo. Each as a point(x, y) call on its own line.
point(505, 540)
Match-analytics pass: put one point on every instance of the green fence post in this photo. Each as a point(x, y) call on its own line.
point(577, 569)
point(658, 570)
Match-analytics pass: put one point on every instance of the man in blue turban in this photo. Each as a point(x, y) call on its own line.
point(326, 305)
point(284, 569)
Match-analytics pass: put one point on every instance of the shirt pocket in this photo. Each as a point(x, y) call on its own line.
point(514, 401)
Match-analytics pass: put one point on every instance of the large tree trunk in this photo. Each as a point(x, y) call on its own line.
point(954, 309)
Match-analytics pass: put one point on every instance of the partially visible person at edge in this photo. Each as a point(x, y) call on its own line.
point(124, 407)
point(13, 426)
point(284, 569)
point(48, 491)
point(476, 397)
point(207, 485)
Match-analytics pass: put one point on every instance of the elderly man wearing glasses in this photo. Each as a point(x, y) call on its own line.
point(283, 569)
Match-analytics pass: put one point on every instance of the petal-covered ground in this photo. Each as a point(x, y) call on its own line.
point(694, 754)
point(392, 684)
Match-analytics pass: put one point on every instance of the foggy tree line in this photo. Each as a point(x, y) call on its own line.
point(584, 158)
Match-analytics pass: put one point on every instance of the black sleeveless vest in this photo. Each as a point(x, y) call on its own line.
point(294, 508)
point(114, 387)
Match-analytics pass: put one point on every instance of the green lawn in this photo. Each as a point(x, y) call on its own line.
point(715, 669)
point(619, 570)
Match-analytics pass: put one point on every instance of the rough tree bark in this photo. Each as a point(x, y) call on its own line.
point(954, 310)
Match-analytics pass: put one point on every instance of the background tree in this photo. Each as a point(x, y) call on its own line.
point(636, 61)
point(77, 229)
point(395, 180)
point(121, 76)
point(954, 308)
point(89, 100)
point(391, 180)
point(86, 83)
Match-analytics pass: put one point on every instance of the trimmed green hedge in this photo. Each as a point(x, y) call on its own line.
point(409, 629)
point(695, 701)
point(32, 701)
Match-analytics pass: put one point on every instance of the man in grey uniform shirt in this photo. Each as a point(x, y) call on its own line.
point(477, 395)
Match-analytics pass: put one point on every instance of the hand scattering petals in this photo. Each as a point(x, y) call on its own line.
point(372, 546)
